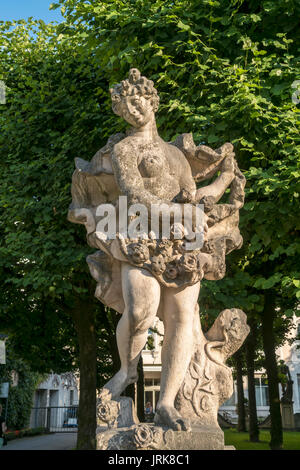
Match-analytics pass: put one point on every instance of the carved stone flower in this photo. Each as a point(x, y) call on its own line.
point(143, 436)
point(138, 252)
point(208, 247)
point(108, 411)
point(158, 264)
point(165, 248)
point(189, 262)
point(208, 202)
point(171, 271)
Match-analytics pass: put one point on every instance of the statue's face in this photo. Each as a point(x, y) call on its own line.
point(135, 109)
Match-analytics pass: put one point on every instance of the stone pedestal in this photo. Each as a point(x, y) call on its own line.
point(151, 437)
point(120, 429)
point(287, 415)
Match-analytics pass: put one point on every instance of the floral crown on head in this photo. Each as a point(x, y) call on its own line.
point(134, 85)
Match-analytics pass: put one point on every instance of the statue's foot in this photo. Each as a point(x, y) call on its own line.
point(169, 416)
point(117, 384)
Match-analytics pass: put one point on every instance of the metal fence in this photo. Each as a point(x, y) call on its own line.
point(55, 418)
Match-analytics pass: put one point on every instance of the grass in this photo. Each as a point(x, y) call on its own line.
point(240, 440)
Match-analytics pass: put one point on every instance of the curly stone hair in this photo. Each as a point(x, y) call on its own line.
point(134, 85)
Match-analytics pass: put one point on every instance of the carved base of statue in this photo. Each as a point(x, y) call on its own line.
point(119, 429)
point(287, 414)
point(152, 437)
point(207, 385)
point(208, 382)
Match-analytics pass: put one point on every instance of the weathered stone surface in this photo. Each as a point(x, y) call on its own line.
point(127, 416)
point(287, 414)
point(151, 437)
point(115, 413)
point(208, 382)
point(146, 275)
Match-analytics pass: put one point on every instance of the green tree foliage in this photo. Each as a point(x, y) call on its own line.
point(224, 70)
point(20, 397)
point(52, 112)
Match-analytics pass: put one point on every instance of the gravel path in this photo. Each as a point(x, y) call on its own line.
point(58, 441)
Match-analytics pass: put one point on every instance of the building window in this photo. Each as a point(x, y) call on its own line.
point(298, 383)
point(261, 392)
point(152, 388)
point(152, 382)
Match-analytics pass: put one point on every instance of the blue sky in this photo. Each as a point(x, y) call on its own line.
point(23, 9)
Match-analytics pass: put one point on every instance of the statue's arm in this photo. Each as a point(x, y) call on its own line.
point(186, 181)
point(205, 163)
point(216, 189)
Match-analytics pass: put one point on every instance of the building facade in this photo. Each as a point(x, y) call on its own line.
point(55, 401)
point(152, 364)
point(289, 353)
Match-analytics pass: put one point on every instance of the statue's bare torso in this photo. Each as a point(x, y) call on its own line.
point(161, 168)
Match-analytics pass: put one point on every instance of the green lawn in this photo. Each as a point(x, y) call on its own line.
point(240, 440)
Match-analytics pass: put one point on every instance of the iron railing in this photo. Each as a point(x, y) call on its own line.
point(55, 418)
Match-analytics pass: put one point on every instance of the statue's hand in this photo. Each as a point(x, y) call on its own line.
point(195, 225)
point(228, 164)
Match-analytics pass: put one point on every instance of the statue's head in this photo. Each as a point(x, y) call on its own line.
point(135, 99)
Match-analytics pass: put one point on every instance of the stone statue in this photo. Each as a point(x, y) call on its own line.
point(149, 276)
point(286, 401)
point(287, 387)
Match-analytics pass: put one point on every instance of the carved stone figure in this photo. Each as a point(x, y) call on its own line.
point(153, 276)
point(287, 387)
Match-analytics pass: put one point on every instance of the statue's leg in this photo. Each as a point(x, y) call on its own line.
point(141, 292)
point(179, 309)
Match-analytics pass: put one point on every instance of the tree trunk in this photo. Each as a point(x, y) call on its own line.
point(112, 327)
point(140, 392)
point(271, 369)
point(84, 320)
point(250, 345)
point(130, 390)
point(241, 427)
